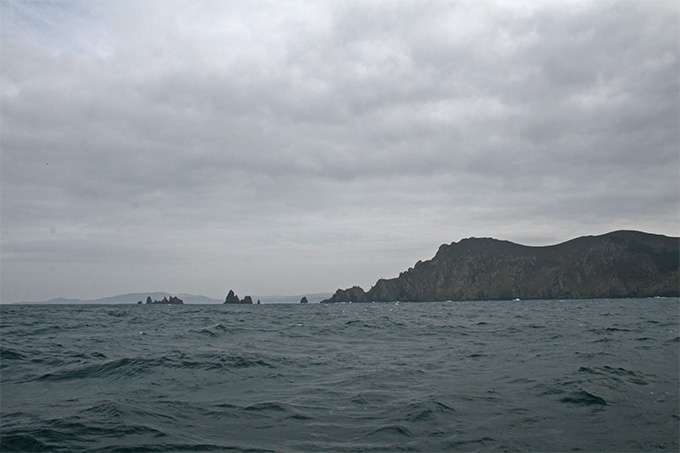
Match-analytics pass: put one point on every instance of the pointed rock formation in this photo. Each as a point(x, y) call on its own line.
point(232, 298)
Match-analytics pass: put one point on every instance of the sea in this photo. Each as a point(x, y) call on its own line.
point(543, 375)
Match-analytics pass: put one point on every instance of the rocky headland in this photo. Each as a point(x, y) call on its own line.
point(620, 264)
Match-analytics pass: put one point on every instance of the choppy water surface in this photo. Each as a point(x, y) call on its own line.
point(594, 375)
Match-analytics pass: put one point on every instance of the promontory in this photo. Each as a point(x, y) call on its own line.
point(620, 264)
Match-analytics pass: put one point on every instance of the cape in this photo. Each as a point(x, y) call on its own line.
point(620, 264)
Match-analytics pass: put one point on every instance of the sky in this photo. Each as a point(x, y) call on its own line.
point(296, 147)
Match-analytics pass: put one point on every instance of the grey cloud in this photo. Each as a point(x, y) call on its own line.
point(201, 134)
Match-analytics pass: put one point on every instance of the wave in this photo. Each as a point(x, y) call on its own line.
point(466, 445)
point(180, 447)
point(115, 369)
point(10, 354)
point(426, 411)
point(52, 435)
point(615, 377)
point(215, 330)
point(22, 442)
point(392, 429)
point(131, 367)
point(266, 407)
point(268, 410)
point(439, 377)
point(583, 398)
point(53, 440)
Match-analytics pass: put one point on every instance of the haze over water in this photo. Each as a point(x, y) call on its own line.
point(589, 375)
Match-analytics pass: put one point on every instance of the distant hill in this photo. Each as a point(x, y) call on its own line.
point(614, 265)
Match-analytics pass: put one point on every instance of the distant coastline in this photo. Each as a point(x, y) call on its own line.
point(189, 299)
point(620, 264)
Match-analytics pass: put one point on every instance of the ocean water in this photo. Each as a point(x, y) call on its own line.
point(588, 375)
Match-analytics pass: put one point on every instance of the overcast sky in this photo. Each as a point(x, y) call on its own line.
point(282, 147)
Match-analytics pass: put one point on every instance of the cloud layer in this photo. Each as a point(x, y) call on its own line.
point(304, 146)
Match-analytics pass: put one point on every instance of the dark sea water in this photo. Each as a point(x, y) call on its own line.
point(588, 375)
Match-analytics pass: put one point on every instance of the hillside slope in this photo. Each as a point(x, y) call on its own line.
point(617, 264)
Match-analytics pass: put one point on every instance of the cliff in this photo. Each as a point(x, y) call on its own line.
point(618, 264)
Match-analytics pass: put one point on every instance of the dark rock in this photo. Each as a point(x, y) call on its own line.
point(232, 298)
point(173, 300)
point(353, 294)
point(618, 264)
point(304, 300)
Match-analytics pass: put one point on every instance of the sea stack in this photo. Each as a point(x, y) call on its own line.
point(232, 298)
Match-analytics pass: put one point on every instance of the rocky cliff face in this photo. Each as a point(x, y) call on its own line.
point(618, 264)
